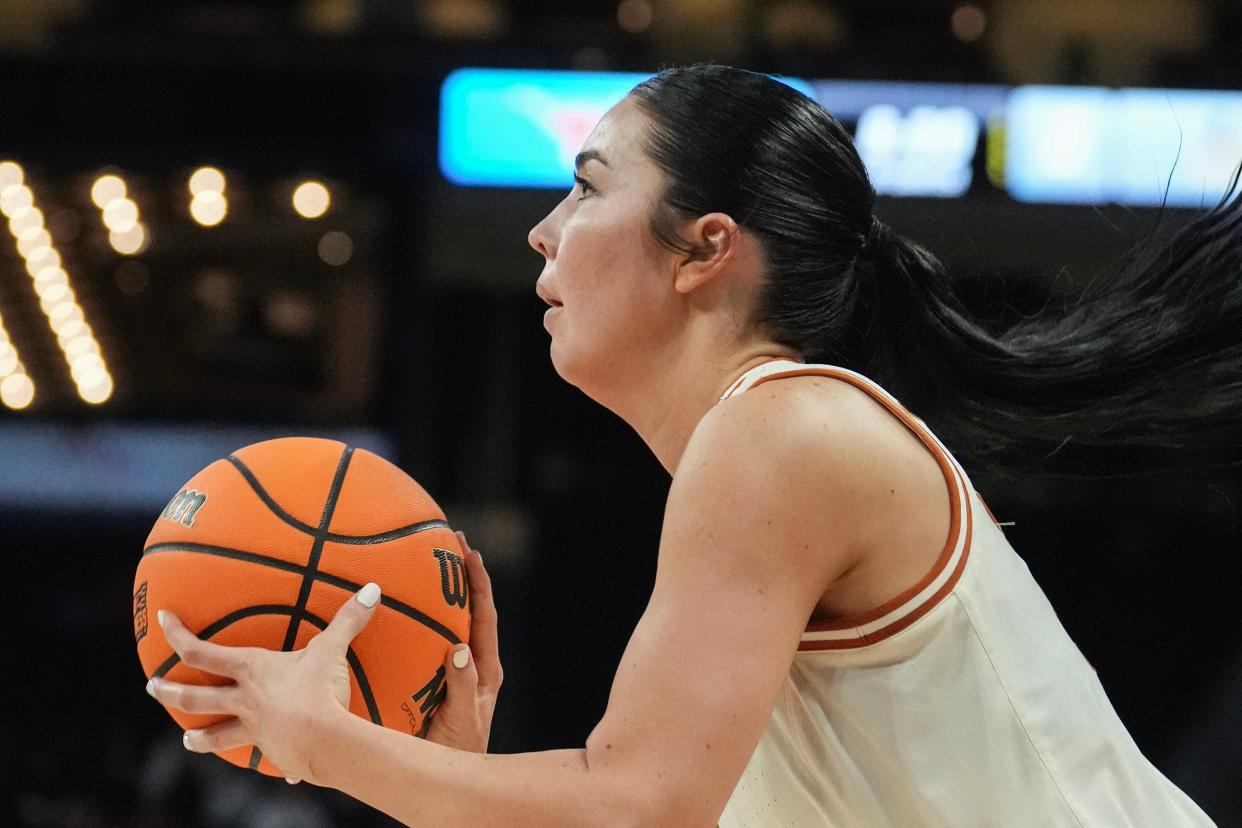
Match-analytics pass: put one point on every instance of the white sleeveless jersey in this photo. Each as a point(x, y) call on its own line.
point(961, 702)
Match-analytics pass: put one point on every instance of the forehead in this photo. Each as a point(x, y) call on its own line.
point(618, 136)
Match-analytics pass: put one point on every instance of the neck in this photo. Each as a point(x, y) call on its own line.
point(665, 407)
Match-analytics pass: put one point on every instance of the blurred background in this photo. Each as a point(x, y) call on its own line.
point(229, 221)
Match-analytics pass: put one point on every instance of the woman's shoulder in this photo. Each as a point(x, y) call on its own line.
point(815, 413)
point(845, 463)
point(821, 440)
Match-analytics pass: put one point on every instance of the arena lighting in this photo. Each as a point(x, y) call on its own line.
point(206, 179)
point(208, 203)
point(65, 316)
point(11, 173)
point(120, 215)
point(16, 387)
point(311, 199)
point(130, 241)
point(26, 224)
point(209, 208)
point(107, 188)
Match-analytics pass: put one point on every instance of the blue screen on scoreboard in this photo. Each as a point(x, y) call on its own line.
point(1096, 145)
point(522, 128)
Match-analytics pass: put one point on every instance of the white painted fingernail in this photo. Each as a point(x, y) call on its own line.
point(159, 616)
point(369, 594)
point(461, 657)
point(292, 780)
point(151, 688)
point(188, 738)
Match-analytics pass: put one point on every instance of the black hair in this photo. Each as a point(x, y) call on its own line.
point(1141, 373)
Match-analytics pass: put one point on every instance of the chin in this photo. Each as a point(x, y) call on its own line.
point(576, 369)
point(563, 363)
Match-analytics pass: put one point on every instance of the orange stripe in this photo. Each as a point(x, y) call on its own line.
point(736, 383)
point(956, 488)
point(900, 624)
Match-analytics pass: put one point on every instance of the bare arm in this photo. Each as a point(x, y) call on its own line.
point(752, 537)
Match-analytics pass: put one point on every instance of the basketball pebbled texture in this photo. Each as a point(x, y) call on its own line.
point(263, 547)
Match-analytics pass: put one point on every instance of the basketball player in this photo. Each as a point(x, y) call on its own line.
point(839, 633)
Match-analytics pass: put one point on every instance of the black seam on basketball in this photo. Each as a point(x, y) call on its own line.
point(393, 604)
point(267, 499)
point(275, 508)
point(347, 585)
point(383, 537)
point(364, 686)
point(255, 756)
point(308, 578)
point(224, 552)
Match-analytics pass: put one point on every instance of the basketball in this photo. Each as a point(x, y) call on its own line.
point(262, 548)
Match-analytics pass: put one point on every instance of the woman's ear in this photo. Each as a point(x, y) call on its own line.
point(716, 239)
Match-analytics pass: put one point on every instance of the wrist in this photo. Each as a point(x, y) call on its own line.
point(324, 734)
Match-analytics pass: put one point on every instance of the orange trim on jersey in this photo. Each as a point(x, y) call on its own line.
point(957, 496)
point(733, 388)
point(867, 639)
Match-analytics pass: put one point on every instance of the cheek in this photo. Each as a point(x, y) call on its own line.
point(604, 262)
point(608, 278)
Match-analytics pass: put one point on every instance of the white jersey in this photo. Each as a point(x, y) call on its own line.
point(961, 702)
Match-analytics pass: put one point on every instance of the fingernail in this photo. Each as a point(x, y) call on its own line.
point(292, 780)
point(189, 737)
point(461, 658)
point(159, 616)
point(151, 688)
point(369, 594)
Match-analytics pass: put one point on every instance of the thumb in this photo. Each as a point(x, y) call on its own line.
point(352, 617)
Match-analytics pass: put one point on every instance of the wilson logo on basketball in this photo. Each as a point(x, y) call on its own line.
point(140, 612)
point(431, 694)
point(452, 577)
point(184, 506)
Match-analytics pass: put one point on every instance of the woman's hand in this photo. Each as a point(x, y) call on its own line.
point(277, 698)
point(464, 719)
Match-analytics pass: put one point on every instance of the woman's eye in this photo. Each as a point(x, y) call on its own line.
point(586, 186)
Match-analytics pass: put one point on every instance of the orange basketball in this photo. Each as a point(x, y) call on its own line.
point(263, 547)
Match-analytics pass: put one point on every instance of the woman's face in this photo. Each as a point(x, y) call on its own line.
point(608, 280)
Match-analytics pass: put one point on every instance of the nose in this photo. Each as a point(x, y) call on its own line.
point(540, 237)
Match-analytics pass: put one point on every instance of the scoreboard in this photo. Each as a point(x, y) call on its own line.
point(1043, 144)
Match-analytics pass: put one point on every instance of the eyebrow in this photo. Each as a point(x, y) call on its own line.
point(588, 155)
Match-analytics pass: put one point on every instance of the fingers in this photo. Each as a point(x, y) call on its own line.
point(203, 655)
point(461, 722)
point(458, 707)
point(483, 620)
point(351, 618)
point(194, 698)
point(220, 737)
point(223, 736)
point(461, 674)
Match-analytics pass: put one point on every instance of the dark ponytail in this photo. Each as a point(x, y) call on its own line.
point(1142, 373)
